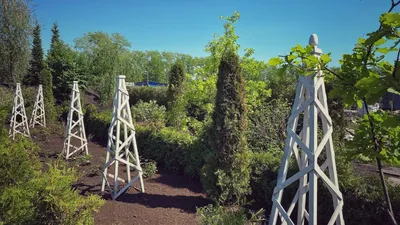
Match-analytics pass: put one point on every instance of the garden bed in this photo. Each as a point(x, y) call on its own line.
point(168, 198)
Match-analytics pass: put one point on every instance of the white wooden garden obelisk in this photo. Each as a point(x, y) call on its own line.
point(311, 101)
point(121, 137)
point(19, 121)
point(75, 129)
point(38, 113)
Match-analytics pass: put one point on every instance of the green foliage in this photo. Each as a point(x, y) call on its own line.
point(167, 146)
point(176, 101)
point(65, 66)
point(387, 134)
point(97, 123)
point(146, 94)
point(16, 23)
point(18, 162)
point(36, 63)
point(47, 81)
point(200, 97)
point(221, 44)
point(264, 172)
point(102, 53)
point(29, 195)
point(226, 174)
point(149, 112)
point(220, 215)
point(149, 167)
point(267, 125)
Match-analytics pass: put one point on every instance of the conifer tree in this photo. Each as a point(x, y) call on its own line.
point(176, 105)
point(36, 62)
point(227, 173)
point(51, 55)
point(55, 38)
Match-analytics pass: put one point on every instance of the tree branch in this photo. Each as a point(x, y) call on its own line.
point(335, 74)
point(396, 64)
point(378, 161)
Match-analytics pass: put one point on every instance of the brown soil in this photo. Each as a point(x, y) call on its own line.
point(168, 198)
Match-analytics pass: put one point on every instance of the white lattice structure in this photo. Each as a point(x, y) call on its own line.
point(121, 137)
point(19, 121)
point(75, 135)
point(38, 113)
point(310, 100)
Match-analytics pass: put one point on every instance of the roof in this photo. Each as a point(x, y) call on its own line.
point(150, 83)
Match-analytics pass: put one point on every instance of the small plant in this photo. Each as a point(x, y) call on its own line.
point(219, 215)
point(95, 170)
point(83, 160)
point(149, 112)
point(149, 167)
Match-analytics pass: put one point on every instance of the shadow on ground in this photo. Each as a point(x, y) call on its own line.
point(185, 203)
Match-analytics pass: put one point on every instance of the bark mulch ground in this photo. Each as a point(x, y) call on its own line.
point(168, 198)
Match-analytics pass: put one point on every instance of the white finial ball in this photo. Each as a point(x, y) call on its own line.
point(121, 77)
point(313, 41)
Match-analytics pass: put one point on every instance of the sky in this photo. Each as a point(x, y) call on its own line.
point(271, 27)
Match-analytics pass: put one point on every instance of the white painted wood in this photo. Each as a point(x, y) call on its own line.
point(19, 120)
point(311, 102)
point(38, 113)
point(129, 84)
point(75, 129)
point(119, 145)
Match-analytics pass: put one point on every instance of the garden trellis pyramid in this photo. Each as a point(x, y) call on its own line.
point(75, 129)
point(19, 121)
point(310, 100)
point(38, 113)
point(119, 143)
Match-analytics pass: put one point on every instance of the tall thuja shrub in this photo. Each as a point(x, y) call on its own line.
point(36, 62)
point(176, 105)
point(226, 174)
point(47, 82)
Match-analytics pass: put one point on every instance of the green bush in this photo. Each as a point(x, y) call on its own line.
point(167, 146)
point(97, 123)
point(29, 195)
point(267, 126)
point(149, 167)
point(149, 112)
point(146, 94)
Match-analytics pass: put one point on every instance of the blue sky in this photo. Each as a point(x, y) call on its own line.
point(271, 27)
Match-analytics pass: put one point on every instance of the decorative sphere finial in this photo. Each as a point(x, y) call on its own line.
point(313, 41)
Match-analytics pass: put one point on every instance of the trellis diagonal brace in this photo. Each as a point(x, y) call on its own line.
point(19, 120)
point(121, 137)
point(75, 128)
point(311, 104)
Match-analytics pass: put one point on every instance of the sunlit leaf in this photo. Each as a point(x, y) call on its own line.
point(391, 90)
point(359, 104)
point(275, 61)
point(383, 50)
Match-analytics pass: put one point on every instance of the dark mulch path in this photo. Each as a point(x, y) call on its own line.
point(168, 198)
